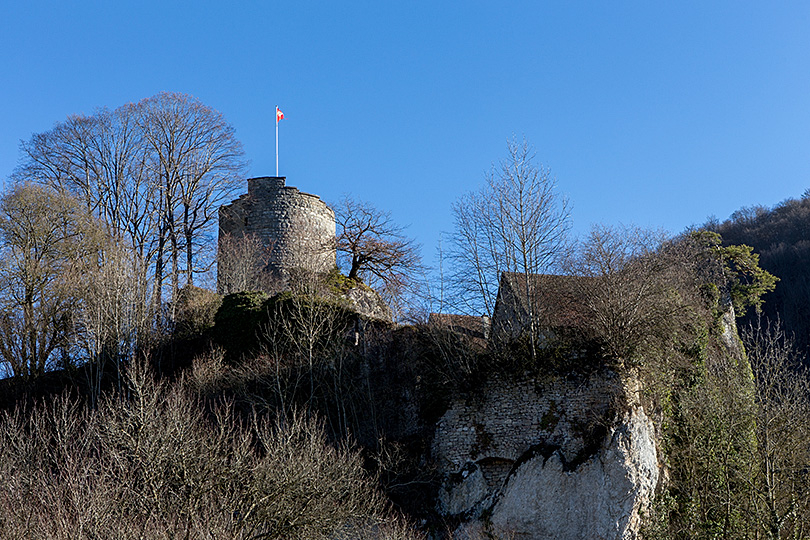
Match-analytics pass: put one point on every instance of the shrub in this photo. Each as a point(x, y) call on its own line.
point(237, 323)
point(196, 309)
point(156, 466)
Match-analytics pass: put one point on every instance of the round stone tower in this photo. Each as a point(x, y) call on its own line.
point(296, 228)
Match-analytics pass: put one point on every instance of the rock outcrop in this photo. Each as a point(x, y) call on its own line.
point(368, 303)
point(561, 458)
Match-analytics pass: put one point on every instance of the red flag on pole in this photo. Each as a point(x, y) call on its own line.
point(279, 116)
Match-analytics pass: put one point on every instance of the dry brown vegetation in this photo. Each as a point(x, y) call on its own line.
point(151, 463)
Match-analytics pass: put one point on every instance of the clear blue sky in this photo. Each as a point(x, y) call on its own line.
point(648, 113)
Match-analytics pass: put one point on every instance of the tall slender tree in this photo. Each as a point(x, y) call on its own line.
point(47, 238)
point(781, 488)
point(155, 171)
point(517, 222)
point(196, 160)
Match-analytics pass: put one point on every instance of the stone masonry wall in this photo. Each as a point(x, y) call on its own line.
point(509, 417)
point(299, 228)
point(556, 458)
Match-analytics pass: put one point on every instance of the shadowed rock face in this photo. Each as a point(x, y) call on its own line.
point(555, 459)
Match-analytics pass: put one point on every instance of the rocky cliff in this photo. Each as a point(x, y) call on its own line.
point(564, 457)
point(571, 454)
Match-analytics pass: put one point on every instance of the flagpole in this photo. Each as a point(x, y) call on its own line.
point(276, 140)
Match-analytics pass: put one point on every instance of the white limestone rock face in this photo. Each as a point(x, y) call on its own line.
point(368, 303)
point(467, 491)
point(555, 459)
point(602, 498)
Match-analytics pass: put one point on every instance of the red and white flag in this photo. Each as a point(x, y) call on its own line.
point(279, 116)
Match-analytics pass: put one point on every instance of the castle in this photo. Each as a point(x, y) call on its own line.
point(551, 457)
point(296, 229)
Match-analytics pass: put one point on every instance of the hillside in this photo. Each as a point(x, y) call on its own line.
point(781, 236)
point(302, 419)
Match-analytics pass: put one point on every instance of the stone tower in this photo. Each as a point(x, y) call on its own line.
point(298, 228)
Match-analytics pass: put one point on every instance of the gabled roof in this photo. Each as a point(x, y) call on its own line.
point(475, 328)
point(557, 300)
point(465, 324)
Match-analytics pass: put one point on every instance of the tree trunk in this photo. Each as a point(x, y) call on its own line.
point(189, 247)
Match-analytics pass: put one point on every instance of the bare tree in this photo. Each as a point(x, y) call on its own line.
point(623, 286)
point(155, 171)
point(45, 238)
point(781, 487)
point(196, 160)
point(241, 264)
point(309, 327)
point(102, 160)
point(374, 249)
point(112, 324)
point(516, 223)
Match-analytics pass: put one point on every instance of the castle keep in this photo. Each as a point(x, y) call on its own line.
point(297, 228)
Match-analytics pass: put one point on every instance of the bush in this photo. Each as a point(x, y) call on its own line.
point(156, 466)
point(196, 309)
point(237, 323)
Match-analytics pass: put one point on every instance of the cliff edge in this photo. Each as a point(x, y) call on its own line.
point(558, 458)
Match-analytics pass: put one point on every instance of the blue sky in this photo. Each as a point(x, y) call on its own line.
point(648, 113)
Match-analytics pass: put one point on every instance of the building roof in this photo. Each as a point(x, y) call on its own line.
point(475, 328)
point(465, 324)
point(557, 301)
